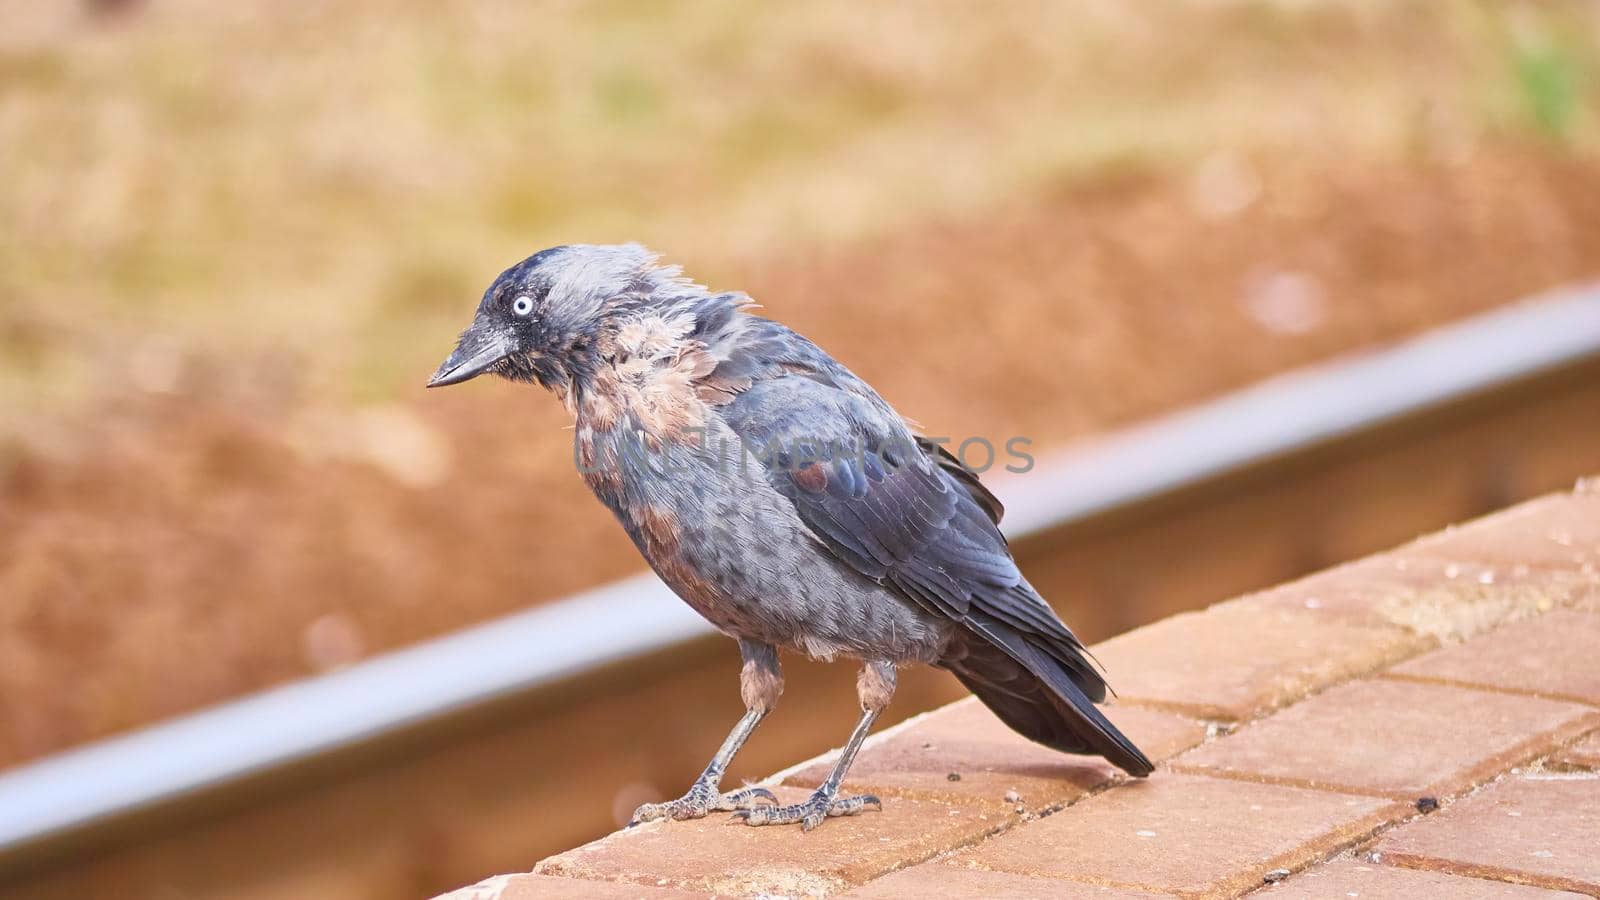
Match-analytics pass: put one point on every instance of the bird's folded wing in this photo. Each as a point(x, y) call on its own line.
point(890, 506)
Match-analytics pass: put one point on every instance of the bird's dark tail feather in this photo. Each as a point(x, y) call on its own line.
point(1039, 697)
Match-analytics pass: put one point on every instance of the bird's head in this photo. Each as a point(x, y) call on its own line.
point(543, 318)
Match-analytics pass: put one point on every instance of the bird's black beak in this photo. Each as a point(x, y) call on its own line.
point(480, 348)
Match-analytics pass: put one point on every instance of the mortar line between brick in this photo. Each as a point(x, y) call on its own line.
point(1209, 713)
point(1380, 822)
point(1072, 878)
point(1014, 822)
point(1484, 872)
point(1357, 854)
point(1362, 848)
point(1441, 681)
point(1019, 821)
point(1475, 876)
point(919, 860)
point(1288, 781)
point(1197, 712)
point(1563, 736)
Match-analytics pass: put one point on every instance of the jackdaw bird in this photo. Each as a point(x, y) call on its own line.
point(786, 502)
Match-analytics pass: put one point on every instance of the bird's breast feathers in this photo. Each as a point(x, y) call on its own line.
point(648, 382)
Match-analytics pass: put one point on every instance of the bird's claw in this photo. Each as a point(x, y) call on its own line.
point(810, 813)
point(745, 799)
point(702, 799)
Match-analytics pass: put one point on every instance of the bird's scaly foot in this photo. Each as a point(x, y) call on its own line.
point(704, 797)
point(810, 813)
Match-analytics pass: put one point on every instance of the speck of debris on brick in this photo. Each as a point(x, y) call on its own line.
point(954, 776)
point(1275, 876)
point(1427, 805)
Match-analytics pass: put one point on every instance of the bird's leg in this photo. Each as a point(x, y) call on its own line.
point(760, 683)
point(875, 688)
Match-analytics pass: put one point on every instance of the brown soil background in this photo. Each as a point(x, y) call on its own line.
point(235, 245)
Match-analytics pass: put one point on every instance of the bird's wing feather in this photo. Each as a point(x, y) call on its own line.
point(887, 505)
point(967, 478)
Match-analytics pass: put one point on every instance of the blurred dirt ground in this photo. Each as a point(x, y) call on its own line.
point(236, 241)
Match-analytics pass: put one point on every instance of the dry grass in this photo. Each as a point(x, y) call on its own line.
point(334, 184)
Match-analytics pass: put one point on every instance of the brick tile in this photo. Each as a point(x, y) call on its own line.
point(1542, 831)
point(1584, 754)
point(546, 887)
point(957, 883)
point(1237, 660)
point(1552, 655)
point(1444, 599)
point(1559, 531)
point(1349, 878)
point(1162, 834)
point(711, 854)
point(992, 760)
point(1394, 738)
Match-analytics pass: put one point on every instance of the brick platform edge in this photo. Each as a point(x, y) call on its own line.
point(1426, 719)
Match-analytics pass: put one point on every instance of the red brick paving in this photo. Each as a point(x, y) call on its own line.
point(1553, 656)
point(993, 761)
point(544, 887)
point(714, 854)
point(1450, 600)
point(1351, 878)
point(1163, 835)
point(1395, 738)
point(1531, 830)
point(1560, 531)
point(1349, 710)
point(1191, 664)
point(942, 880)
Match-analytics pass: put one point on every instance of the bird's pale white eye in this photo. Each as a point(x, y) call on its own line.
point(522, 306)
